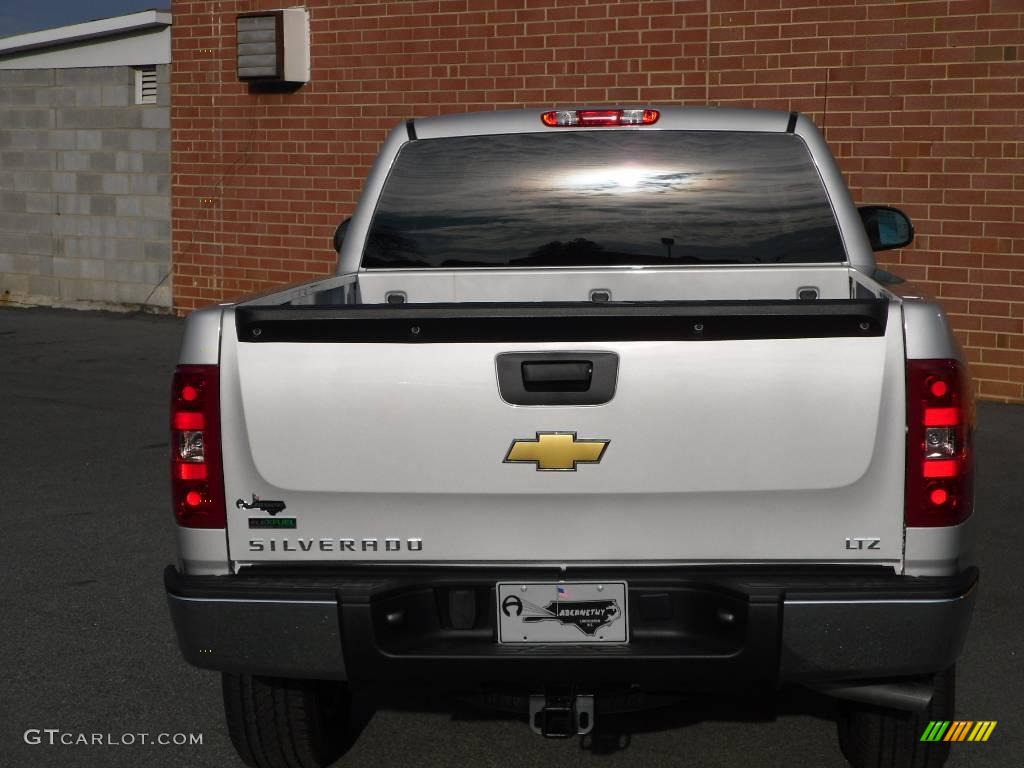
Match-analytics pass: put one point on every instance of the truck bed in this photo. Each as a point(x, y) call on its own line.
point(733, 283)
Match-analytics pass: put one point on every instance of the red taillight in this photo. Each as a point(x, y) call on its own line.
point(941, 417)
point(192, 471)
point(939, 453)
point(197, 477)
point(567, 118)
point(940, 468)
point(189, 419)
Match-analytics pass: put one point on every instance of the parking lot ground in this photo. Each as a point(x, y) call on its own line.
point(86, 645)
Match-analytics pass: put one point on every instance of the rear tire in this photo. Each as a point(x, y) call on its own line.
point(283, 723)
point(873, 737)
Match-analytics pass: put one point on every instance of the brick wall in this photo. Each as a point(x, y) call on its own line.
point(921, 102)
point(84, 187)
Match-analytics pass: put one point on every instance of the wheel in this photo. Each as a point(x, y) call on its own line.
point(873, 737)
point(283, 723)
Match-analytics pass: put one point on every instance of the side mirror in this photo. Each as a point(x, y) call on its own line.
point(887, 227)
point(339, 234)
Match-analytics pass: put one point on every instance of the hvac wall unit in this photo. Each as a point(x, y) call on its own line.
point(273, 46)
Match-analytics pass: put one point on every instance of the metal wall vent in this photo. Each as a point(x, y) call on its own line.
point(145, 84)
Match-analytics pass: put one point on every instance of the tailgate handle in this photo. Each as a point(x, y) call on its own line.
point(557, 376)
point(566, 377)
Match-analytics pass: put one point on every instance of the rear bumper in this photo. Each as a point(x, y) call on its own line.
point(690, 628)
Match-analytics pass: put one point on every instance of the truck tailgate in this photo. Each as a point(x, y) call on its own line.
point(767, 434)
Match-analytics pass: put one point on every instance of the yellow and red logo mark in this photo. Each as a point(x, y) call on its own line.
point(959, 730)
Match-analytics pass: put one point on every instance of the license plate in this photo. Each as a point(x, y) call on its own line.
point(559, 612)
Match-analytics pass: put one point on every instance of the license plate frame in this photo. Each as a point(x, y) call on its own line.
point(563, 613)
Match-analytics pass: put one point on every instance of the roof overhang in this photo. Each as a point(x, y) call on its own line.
point(50, 47)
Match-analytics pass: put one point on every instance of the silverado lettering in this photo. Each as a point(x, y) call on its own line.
point(333, 545)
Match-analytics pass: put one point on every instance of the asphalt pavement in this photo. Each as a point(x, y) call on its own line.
point(87, 649)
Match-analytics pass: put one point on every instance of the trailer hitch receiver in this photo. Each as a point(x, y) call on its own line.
point(561, 716)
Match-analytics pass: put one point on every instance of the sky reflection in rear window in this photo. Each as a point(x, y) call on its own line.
point(603, 198)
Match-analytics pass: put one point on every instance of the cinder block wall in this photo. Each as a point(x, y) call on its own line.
point(920, 99)
point(84, 187)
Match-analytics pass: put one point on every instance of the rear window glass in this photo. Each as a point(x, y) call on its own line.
point(603, 198)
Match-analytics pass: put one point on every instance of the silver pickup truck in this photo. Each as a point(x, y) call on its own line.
point(602, 406)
